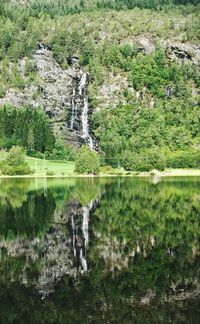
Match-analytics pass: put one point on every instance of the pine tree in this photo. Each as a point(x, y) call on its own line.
point(30, 139)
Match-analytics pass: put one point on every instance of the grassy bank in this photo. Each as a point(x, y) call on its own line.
point(58, 169)
point(48, 167)
point(155, 173)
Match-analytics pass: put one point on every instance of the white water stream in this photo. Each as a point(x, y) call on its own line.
point(84, 117)
point(73, 109)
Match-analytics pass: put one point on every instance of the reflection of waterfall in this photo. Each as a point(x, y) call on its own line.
point(73, 235)
point(80, 235)
point(86, 212)
point(85, 229)
point(84, 117)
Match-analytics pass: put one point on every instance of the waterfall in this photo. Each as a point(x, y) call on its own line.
point(73, 108)
point(83, 84)
point(83, 261)
point(84, 116)
point(79, 113)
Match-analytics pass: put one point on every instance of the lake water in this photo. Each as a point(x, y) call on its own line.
point(114, 250)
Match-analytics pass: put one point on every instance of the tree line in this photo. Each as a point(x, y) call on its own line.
point(63, 7)
point(25, 127)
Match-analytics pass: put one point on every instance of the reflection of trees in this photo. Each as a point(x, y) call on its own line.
point(31, 218)
point(86, 304)
point(13, 192)
point(88, 189)
point(151, 232)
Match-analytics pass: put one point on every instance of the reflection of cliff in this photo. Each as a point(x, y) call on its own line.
point(61, 251)
point(148, 273)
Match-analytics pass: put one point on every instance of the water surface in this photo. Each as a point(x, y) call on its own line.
point(100, 250)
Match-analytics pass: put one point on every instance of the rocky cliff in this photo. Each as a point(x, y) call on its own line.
point(61, 93)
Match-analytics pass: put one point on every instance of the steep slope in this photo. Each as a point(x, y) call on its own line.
point(93, 62)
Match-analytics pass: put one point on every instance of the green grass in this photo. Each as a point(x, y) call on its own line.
point(41, 167)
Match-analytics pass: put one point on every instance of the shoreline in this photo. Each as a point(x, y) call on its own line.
point(153, 174)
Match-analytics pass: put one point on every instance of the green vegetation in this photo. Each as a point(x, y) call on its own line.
point(63, 7)
point(62, 151)
point(87, 161)
point(14, 163)
point(22, 28)
point(26, 127)
point(140, 135)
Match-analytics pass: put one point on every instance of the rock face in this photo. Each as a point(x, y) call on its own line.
point(145, 45)
point(61, 93)
point(112, 91)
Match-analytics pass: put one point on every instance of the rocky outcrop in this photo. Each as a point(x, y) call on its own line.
point(111, 93)
point(176, 50)
point(183, 52)
point(145, 45)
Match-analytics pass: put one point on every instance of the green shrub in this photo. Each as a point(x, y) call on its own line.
point(62, 151)
point(15, 156)
point(35, 154)
point(15, 170)
point(15, 163)
point(87, 161)
point(143, 161)
point(107, 169)
point(30, 67)
point(184, 159)
point(50, 173)
point(2, 91)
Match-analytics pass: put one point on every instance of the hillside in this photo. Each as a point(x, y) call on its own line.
point(121, 78)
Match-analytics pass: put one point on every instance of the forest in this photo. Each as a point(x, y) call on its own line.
point(138, 135)
point(27, 128)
